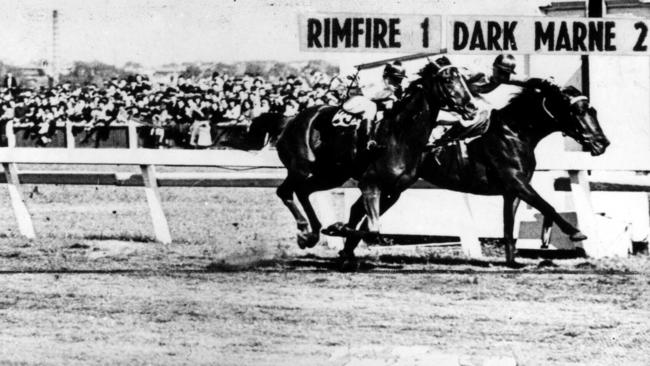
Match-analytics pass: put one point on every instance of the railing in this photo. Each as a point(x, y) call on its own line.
point(244, 172)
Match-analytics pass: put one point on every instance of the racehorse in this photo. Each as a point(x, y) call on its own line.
point(321, 155)
point(502, 161)
point(265, 129)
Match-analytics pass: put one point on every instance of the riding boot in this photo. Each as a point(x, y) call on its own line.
point(372, 146)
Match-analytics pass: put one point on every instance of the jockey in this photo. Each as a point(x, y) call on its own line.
point(503, 68)
point(364, 111)
point(480, 84)
point(393, 77)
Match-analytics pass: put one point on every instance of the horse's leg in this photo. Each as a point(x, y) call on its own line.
point(371, 201)
point(285, 192)
point(312, 184)
point(547, 227)
point(356, 215)
point(510, 205)
point(527, 193)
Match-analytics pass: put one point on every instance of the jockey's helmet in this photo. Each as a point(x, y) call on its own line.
point(394, 71)
point(505, 62)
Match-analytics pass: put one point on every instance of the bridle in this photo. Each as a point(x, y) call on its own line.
point(446, 100)
point(572, 101)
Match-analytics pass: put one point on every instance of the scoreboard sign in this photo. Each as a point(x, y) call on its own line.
point(544, 35)
point(346, 32)
point(336, 32)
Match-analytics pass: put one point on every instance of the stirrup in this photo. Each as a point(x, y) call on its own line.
point(372, 145)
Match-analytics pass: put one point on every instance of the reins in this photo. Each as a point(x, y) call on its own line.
point(572, 101)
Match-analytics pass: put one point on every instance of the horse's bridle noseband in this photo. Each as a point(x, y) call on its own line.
point(572, 101)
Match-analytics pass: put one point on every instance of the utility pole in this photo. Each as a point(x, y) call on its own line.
point(594, 9)
point(55, 46)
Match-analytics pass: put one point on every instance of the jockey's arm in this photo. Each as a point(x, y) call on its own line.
point(446, 118)
point(477, 82)
point(474, 77)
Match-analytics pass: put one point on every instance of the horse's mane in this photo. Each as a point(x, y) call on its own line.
point(532, 94)
point(571, 91)
point(431, 68)
point(531, 90)
point(426, 72)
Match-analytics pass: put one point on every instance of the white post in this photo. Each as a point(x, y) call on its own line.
point(9, 132)
point(325, 204)
point(581, 194)
point(25, 225)
point(133, 135)
point(20, 209)
point(160, 227)
point(69, 137)
point(469, 242)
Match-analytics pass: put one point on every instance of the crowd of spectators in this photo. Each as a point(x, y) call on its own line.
point(184, 113)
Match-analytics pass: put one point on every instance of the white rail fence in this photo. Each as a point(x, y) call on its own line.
point(147, 160)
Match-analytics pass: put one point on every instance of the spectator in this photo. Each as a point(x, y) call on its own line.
point(9, 82)
point(177, 113)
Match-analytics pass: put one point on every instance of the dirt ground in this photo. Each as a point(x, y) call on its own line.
point(233, 289)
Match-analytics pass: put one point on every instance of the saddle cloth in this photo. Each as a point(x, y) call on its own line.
point(354, 111)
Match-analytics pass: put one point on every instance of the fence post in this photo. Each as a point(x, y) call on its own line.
point(326, 204)
point(581, 195)
point(469, 242)
point(69, 137)
point(9, 132)
point(25, 225)
point(160, 227)
point(20, 209)
point(132, 134)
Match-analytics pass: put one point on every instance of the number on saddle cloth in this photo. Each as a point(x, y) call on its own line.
point(354, 111)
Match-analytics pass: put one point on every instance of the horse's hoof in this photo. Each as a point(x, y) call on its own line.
point(308, 240)
point(514, 264)
point(349, 264)
point(579, 236)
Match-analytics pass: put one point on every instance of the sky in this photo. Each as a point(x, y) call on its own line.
point(155, 32)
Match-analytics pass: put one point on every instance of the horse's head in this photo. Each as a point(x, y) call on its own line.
point(448, 85)
point(576, 118)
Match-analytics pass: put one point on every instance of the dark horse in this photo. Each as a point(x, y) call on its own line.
point(263, 130)
point(319, 155)
point(502, 161)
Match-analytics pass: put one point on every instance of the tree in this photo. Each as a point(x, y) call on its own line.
point(94, 72)
point(281, 70)
point(191, 71)
point(255, 68)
